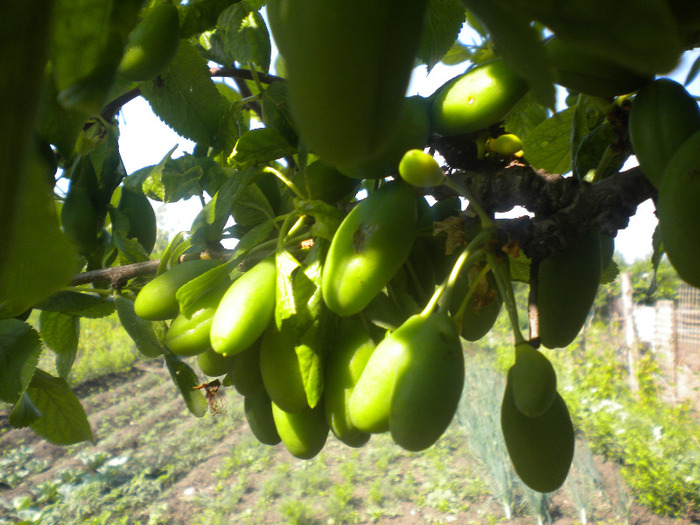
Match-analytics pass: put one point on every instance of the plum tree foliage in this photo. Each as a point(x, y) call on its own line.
point(285, 155)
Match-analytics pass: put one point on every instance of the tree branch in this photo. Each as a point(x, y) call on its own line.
point(563, 207)
point(245, 74)
point(119, 275)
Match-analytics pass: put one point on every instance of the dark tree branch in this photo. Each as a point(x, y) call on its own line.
point(245, 74)
point(117, 276)
point(564, 208)
point(245, 92)
point(109, 112)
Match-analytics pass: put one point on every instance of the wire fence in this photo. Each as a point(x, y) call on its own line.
point(672, 331)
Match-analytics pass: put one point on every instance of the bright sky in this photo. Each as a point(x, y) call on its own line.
point(145, 140)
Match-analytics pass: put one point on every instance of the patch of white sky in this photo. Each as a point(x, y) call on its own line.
point(145, 140)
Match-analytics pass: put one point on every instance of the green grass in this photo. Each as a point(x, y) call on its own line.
point(104, 347)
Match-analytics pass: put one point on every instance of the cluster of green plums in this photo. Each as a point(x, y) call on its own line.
point(407, 381)
point(404, 373)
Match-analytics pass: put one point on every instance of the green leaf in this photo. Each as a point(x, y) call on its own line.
point(327, 217)
point(525, 116)
point(63, 420)
point(209, 223)
point(656, 257)
point(519, 43)
point(443, 24)
point(79, 34)
point(242, 37)
point(520, 268)
point(185, 98)
point(191, 292)
point(174, 179)
point(457, 54)
point(78, 304)
point(200, 16)
point(106, 160)
point(24, 413)
point(252, 207)
point(547, 146)
point(23, 62)
point(61, 333)
point(256, 235)
point(302, 312)
point(55, 124)
point(610, 273)
point(276, 113)
point(171, 249)
point(148, 336)
point(259, 146)
point(20, 348)
point(32, 243)
point(232, 124)
point(384, 313)
point(591, 149)
point(286, 305)
point(311, 352)
point(186, 380)
point(130, 249)
point(88, 43)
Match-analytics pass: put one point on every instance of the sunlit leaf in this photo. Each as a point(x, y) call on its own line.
point(186, 380)
point(20, 348)
point(61, 333)
point(185, 97)
point(442, 26)
point(547, 146)
point(63, 420)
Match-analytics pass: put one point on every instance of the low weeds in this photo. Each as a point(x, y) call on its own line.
point(656, 444)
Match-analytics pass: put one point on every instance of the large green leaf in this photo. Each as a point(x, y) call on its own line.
point(80, 30)
point(242, 37)
point(20, 348)
point(525, 116)
point(78, 303)
point(442, 27)
point(24, 413)
point(301, 313)
point(174, 179)
point(148, 336)
point(252, 208)
point(87, 45)
point(61, 333)
point(186, 380)
point(209, 223)
point(259, 146)
point(547, 147)
point(37, 258)
point(185, 98)
point(197, 17)
point(276, 113)
point(63, 420)
point(191, 292)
